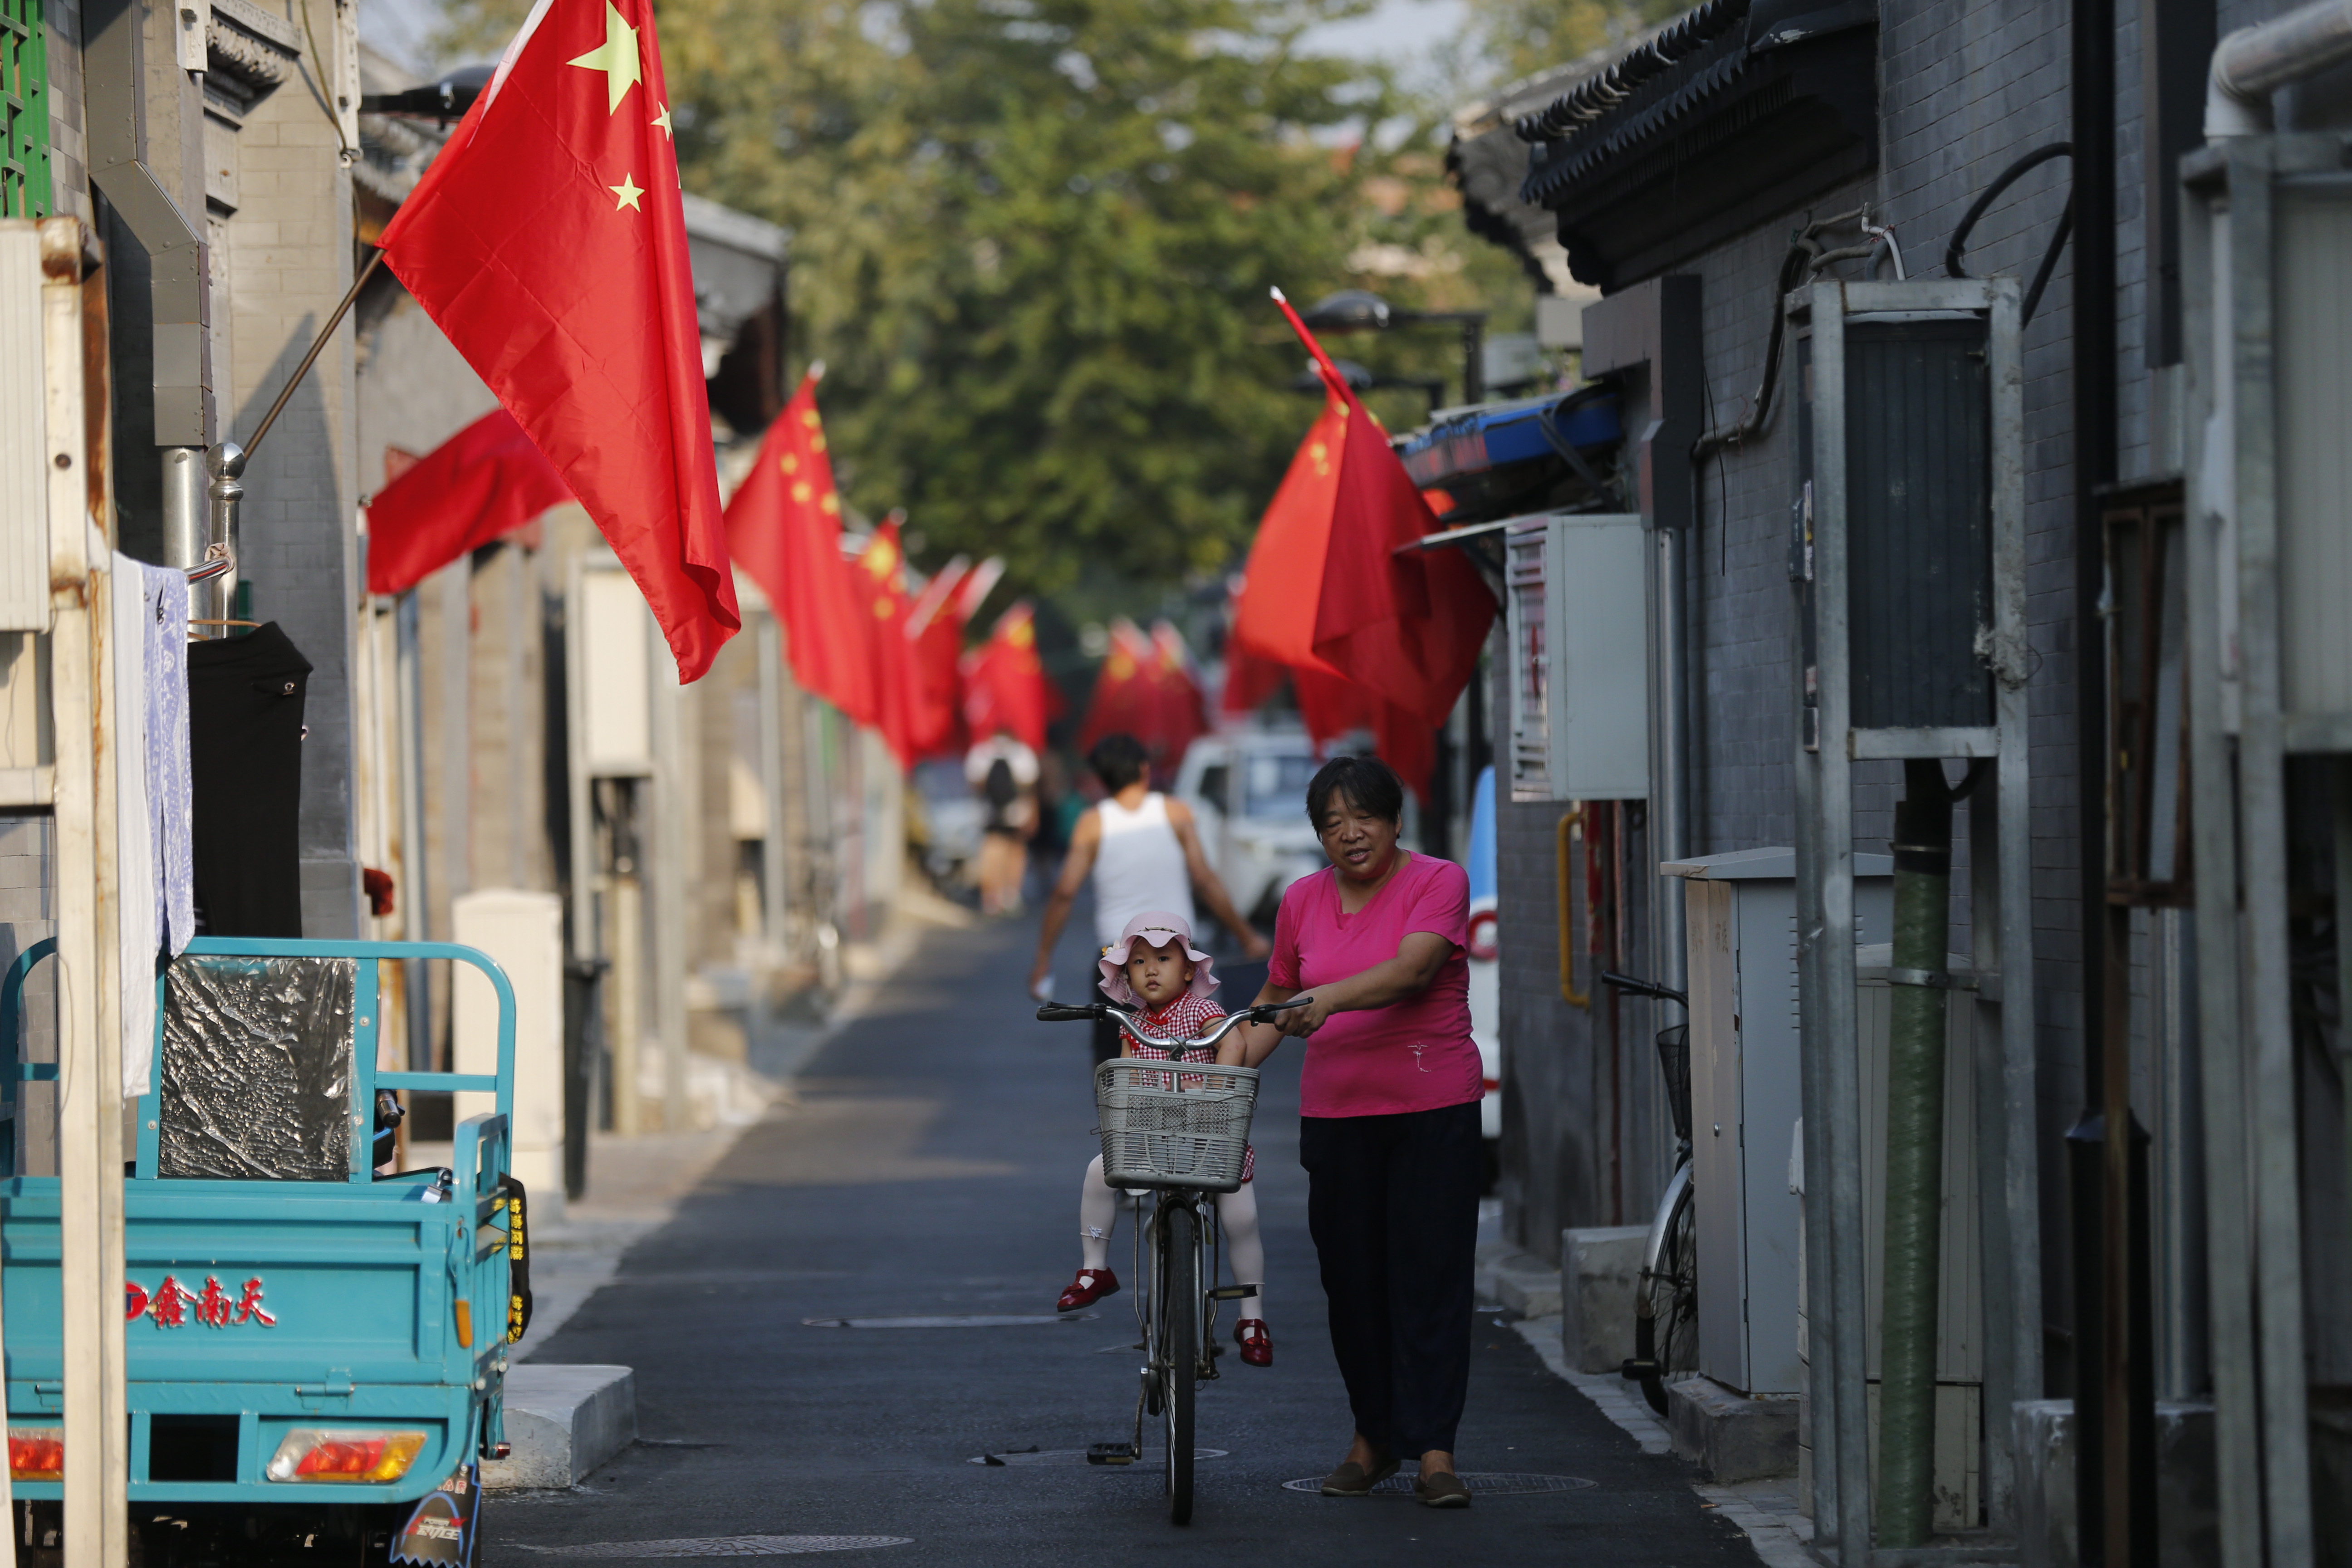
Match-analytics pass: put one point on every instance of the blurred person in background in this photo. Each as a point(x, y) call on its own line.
point(1143, 853)
point(1003, 770)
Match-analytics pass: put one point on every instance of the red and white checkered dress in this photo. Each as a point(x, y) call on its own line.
point(1183, 1018)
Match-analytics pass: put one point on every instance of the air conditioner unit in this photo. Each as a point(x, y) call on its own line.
point(1580, 672)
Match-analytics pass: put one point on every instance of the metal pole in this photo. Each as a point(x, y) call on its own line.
point(186, 523)
point(2208, 327)
point(1839, 1029)
point(773, 889)
point(408, 682)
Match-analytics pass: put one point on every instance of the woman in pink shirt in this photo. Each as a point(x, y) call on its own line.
point(1389, 1121)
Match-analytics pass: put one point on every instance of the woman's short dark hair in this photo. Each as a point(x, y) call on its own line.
point(1118, 760)
point(1366, 781)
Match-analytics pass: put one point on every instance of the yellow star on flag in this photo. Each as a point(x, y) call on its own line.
point(662, 120)
point(617, 56)
point(628, 193)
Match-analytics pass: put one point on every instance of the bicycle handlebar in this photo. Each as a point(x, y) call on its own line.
point(1650, 988)
point(1066, 1012)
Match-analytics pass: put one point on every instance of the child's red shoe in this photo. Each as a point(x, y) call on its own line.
point(1257, 1345)
point(1091, 1286)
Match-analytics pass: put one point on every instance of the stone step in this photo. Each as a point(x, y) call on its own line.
point(561, 1422)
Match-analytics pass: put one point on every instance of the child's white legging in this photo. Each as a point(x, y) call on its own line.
point(1236, 1211)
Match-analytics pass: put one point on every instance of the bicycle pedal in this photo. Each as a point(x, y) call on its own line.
point(1110, 1453)
point(1233, 1293)
point(1636, 1368)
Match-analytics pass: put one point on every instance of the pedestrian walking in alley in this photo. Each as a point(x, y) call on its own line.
point(1144, 854)
point(1004, 771)
point(1388, 1120)
point(1154, 966)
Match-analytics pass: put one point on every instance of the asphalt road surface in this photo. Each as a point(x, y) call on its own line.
point(931, 1169)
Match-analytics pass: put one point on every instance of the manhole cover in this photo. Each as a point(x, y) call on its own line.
point(1078, 1456)
point(1487, 1484)
point(730, 1546)
point(984, 1321)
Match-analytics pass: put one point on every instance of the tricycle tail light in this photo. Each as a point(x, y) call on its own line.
point(344, 1454)
point(36, 1453)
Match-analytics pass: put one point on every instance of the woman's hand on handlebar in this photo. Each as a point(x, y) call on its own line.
point(1304, 1018)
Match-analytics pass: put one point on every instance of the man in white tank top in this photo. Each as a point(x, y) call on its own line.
point(1144, 855)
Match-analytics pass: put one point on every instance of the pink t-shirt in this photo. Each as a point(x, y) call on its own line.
point(1415, 1055)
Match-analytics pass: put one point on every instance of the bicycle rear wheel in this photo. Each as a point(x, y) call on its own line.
point(1177, 1352)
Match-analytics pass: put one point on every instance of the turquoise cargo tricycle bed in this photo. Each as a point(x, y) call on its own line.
point(315, 1344)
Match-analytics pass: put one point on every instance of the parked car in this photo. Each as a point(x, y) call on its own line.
point(1249, 790)
point(1486, 983)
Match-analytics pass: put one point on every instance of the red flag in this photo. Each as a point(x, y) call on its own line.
point(1410, 626)
point(1333, 707)
point(783, 527)
point(1004, 682)
point(1183, 711)
point(479, 484)
point(1126, 697)
point(881, 581)
point(1274, 617)
point(936, 631)
point(548, 242)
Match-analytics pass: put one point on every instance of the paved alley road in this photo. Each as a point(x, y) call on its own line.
point(931, 1168)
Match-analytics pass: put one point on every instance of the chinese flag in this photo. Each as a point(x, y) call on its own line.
point(1004, 682)
point(1332, 706)
point(1275, 616)
point(1126, 698)
point(479, 484)
point(935, 628)
point(881, 581)
point(1183, 711)
point(1325, 588)
point(783, 527)
point(548, 242)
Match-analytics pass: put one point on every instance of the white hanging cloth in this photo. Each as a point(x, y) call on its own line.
point(153, 863)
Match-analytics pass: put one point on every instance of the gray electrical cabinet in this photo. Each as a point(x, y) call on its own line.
point(1580, 672)
point(1746, 1095)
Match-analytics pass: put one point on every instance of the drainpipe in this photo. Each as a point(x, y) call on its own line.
point(1919, 1009)
point(2252, 63)
point(115, 77)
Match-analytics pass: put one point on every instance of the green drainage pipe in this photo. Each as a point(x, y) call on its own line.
point(1920, 987)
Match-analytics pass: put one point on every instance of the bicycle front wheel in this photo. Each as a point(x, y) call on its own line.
point(1178, 1352)
point(1665, 1330)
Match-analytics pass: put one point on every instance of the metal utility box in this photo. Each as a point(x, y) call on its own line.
point(1745, 1090)
point(1579, 674)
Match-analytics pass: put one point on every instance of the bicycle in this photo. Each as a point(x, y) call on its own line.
point(1665, 1295)
point(1178, 1130)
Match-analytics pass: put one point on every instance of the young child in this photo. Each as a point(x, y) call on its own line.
point(1154, 966)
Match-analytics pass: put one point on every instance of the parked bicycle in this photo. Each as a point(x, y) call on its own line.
point(1666, 1298)
point(1177, 1132)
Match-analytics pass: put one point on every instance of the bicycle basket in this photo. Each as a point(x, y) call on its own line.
point(1165, 1127)
point(1673, 1060)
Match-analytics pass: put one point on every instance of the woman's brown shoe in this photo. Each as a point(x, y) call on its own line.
point(1442, 1489)
point(1351, 1480)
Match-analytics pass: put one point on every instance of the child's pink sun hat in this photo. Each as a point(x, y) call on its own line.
point(1154, 928)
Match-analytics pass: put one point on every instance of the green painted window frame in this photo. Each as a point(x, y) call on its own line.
point(24, 110)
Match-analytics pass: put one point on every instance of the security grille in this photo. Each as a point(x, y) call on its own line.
point(25, 101)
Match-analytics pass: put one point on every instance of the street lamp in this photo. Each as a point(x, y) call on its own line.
point(1359, 310)
point(1361, 379)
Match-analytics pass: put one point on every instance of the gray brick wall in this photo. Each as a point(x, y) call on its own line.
point(290, 262)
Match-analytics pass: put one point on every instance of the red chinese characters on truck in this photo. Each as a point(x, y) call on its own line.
point(172, 1304)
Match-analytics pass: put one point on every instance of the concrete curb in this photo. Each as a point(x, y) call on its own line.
point(561, 1422)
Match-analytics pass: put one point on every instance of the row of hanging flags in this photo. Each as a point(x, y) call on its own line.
point(548, 242)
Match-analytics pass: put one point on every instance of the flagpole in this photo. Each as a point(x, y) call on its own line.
point(317, 345)
point(1337, 383)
